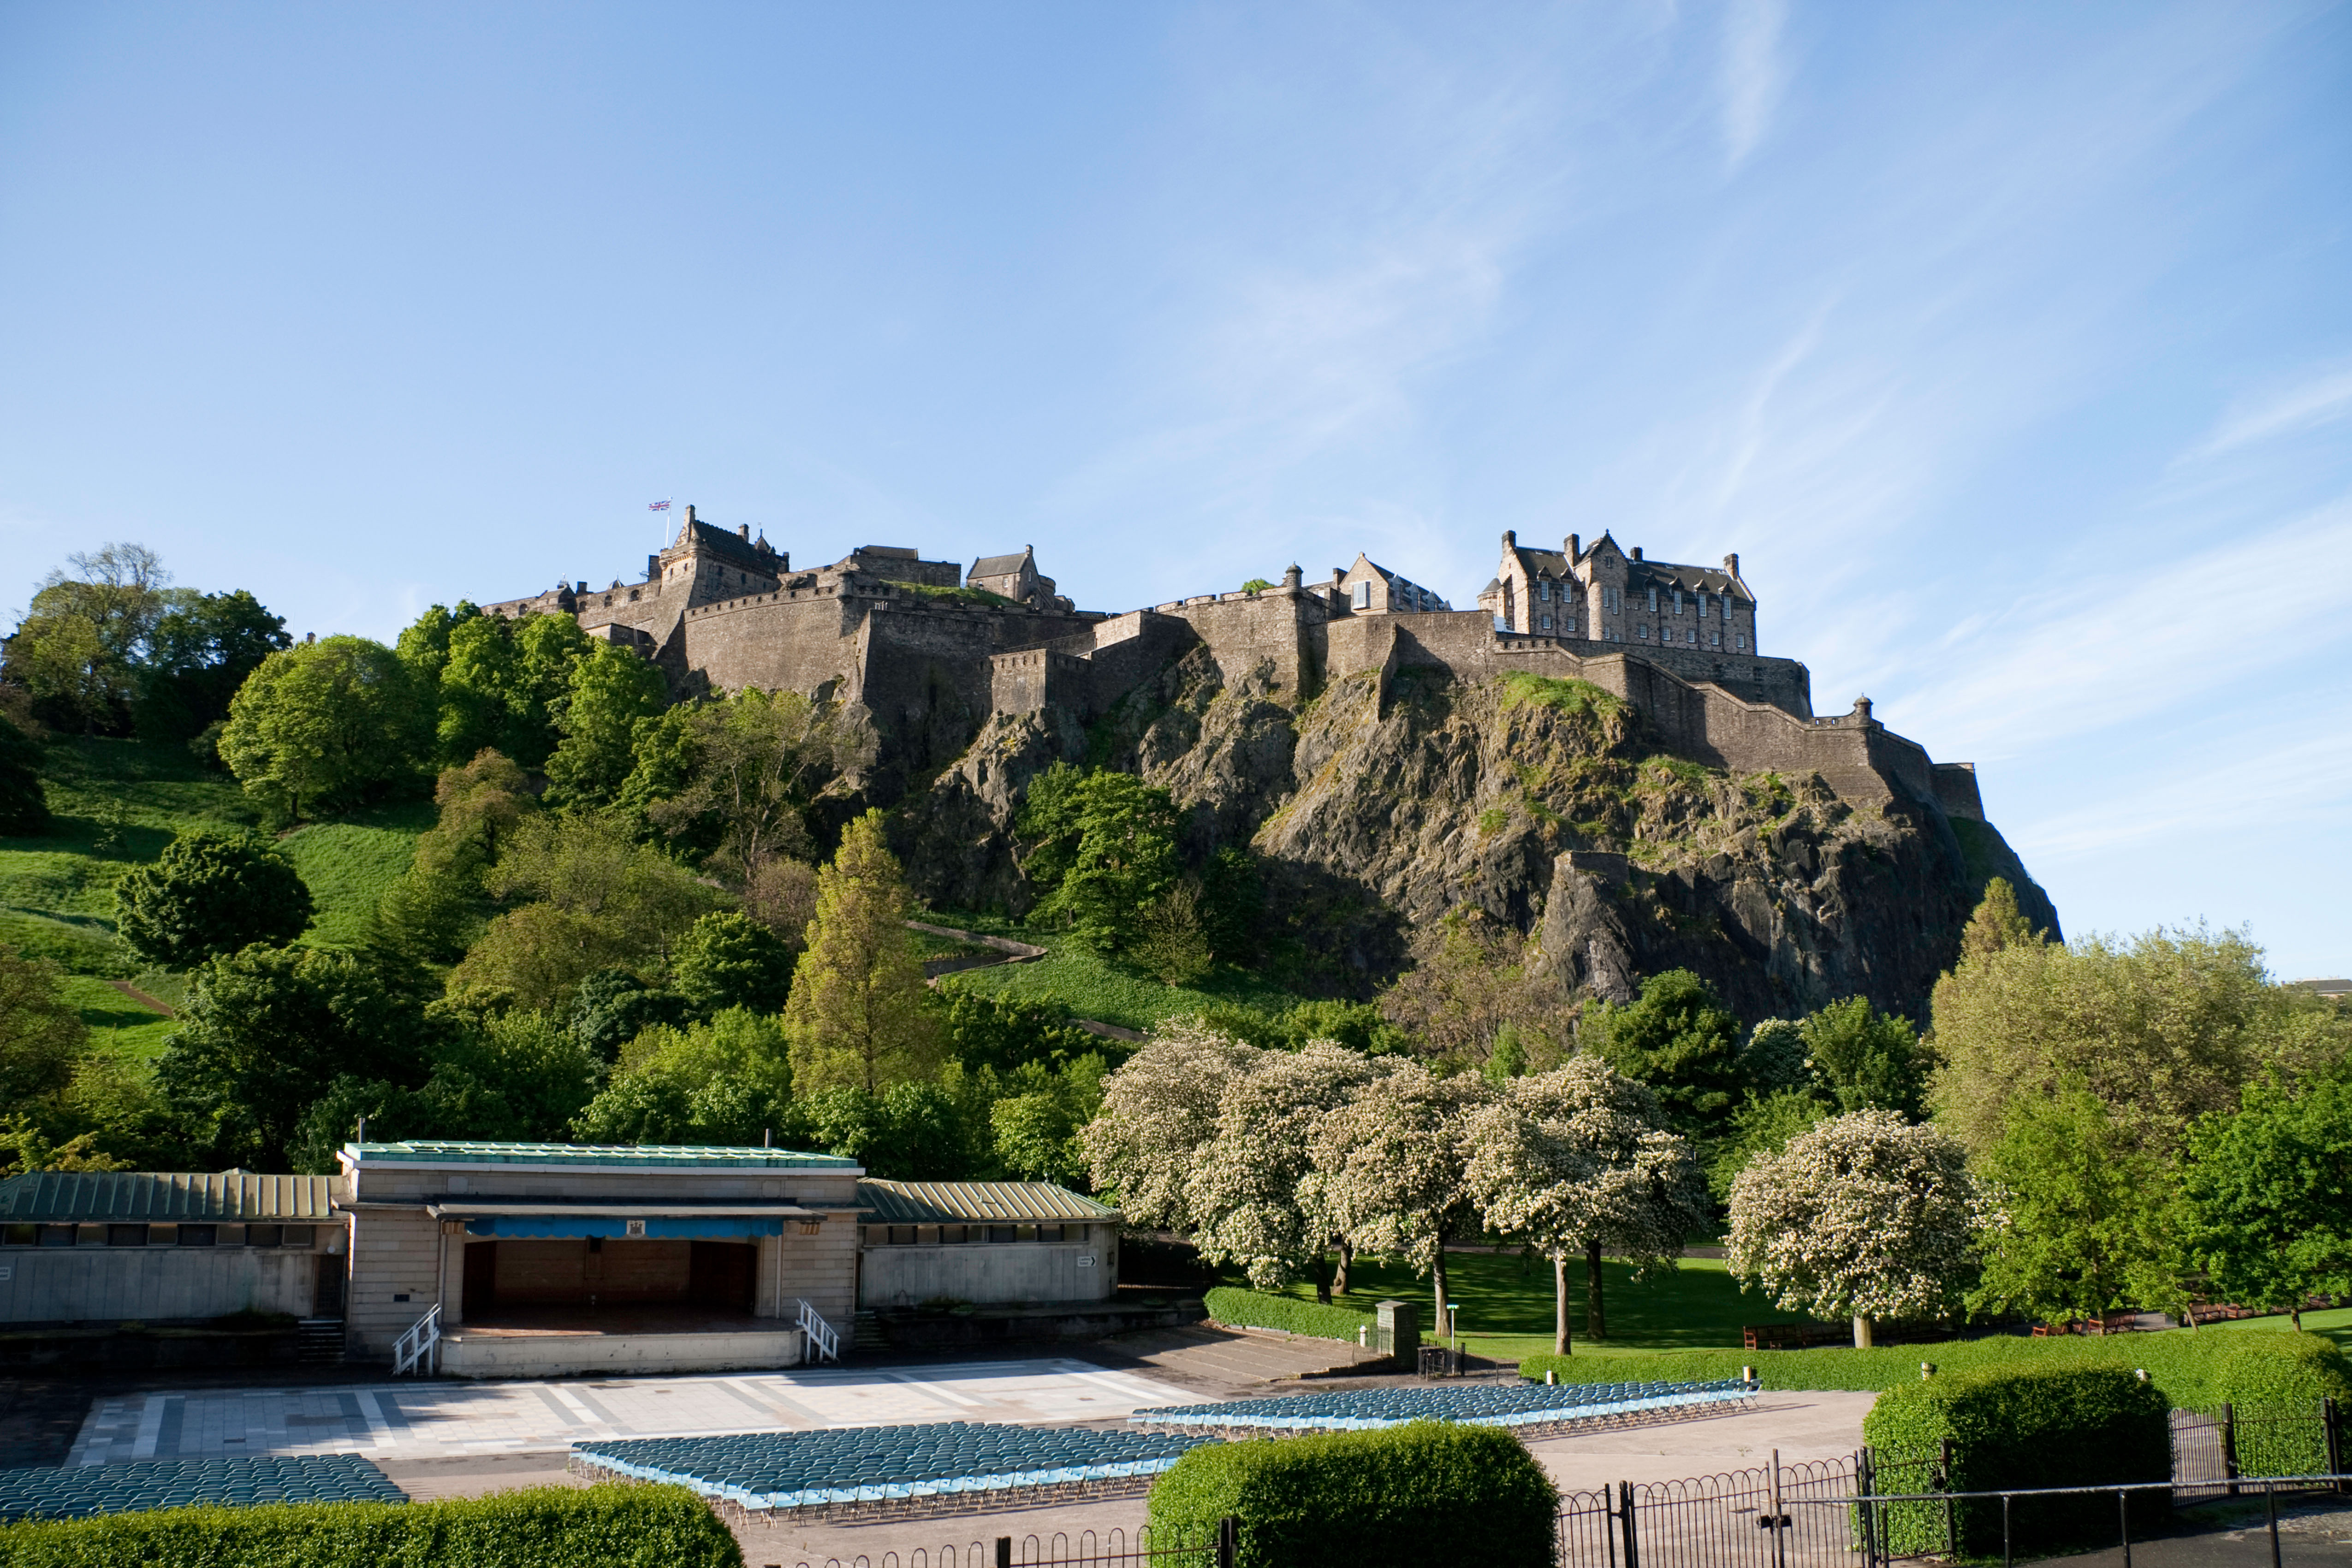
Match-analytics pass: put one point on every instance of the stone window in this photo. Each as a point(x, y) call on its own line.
point(1610, 600)
point(1546, 623)
point(1364, 596)
point(1678, 601)
point(1543, 592)
point(1645, 634)
point(1715, 640)
point(1653, 601)
point(1740, 642)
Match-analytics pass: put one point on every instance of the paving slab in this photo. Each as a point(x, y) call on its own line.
point(435, 1419)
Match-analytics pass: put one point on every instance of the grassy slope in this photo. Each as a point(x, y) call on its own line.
point(115, 1021)
point(1099, 988)
point(57, 892)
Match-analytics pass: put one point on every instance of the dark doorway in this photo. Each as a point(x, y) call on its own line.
point(722, 1274)
point(327, 1287)
point(481, 1285)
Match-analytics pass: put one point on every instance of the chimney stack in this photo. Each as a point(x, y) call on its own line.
point(743, 532)
point(689, 514)
point(1637, 553)
point(1573, 544)
point(1510, 539)
point(1731, 563)
point(653, 567)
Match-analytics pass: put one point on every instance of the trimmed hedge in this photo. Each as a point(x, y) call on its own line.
point(1428, 1490)
point(600, 1527)
point(2022, 1426)
point(2194, 1370)
point(1255, 1310)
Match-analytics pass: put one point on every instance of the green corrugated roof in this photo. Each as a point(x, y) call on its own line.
point(95, 1196)
point(958, 1203)
point(664, 1156)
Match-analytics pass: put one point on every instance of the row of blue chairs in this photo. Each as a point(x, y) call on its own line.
point(80, 1491)
point(767, 1470)
point(1507, 1405)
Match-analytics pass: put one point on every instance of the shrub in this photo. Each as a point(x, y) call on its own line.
point(208, 894)
point(2194, 1371)
point(1428, 1490)
point(602, 1527)
point(1255, 1309)
point(2023, 1427)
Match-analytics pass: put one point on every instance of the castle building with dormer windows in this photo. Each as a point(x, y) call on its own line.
point(933, 653)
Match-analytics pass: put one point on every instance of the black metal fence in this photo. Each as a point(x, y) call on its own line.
point(1210, 1546)
point(1873, 1507)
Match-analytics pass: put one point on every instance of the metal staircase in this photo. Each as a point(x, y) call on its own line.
point(823, 1342)
point(319, 1341)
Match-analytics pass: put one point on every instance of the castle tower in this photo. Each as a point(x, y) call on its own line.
point(707, 563)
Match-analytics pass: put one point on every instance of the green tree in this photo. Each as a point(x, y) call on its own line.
point(2270, 1193)
point(2092, 1217)
point(1036, 1128)
point(733, 777)
point(1681, 1040)
point(1862, 1059)
point(518, 1076)
point(1774, 1059)
point(80, 647)
point(726, 1081)
point(325, 725)
point(210, 893)
point(268, 1030)
point(859, 1013)
point(910, 1133)
point(612, 690)
point(41, 1033)
point(1762, 1126)
point(200, 650)
point(423, 645)
point(597, 899)
point(1003, 1034)
point(438, 907)
point(507, 684)
point(729, 960)
point(1471, 984)
point(23, 803)
point(612, 1006)
point(1114, 838)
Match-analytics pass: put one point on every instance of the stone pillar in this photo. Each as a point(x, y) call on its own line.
point(1400, 1330)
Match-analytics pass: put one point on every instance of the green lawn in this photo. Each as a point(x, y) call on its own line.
point(1096, 987)
point(1507, 1304)
point(115, 1021)
point(347, 865)
point(116, 804)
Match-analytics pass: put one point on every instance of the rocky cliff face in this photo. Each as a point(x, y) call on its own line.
point(1379, 806)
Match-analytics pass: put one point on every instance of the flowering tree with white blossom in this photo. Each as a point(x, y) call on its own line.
point(1865, 1216)
point(1249, 1194)
point(1580, 1158)
point(1158, 1111)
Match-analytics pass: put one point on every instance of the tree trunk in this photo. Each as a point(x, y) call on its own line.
point(1596, 1326)
point(1861, 1333)
point(1437, 1282)
point(1340, 1275)
point(1559, 1342)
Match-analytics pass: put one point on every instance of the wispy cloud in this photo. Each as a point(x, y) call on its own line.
point(2320, 400)
point(2077, 656)
point(1753, 73)
point(2274, 787)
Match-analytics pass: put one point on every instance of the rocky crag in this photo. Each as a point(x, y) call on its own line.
point(1385, 799)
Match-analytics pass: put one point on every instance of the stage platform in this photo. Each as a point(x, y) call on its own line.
point(571, 1341)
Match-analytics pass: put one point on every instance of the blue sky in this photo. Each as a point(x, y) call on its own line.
point(2010, 345)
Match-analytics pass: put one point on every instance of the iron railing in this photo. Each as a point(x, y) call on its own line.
point(822, 1340)
point(419, 1348)
point(1213, 1546)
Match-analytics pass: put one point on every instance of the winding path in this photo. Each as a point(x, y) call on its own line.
point(1014, 952)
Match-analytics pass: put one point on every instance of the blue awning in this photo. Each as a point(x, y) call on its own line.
point(737, 1227)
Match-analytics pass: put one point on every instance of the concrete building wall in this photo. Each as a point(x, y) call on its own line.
point(995, 1272)
point(126, 1284)
point(820, 1269)
point(395, 1278)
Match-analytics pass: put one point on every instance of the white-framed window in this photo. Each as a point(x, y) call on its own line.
point(1715, 640)
point(1643, 634)
point(1741, 642)
point(1653, 601)
point(1364, 594)
point(1544, 623)
point(1678, 601)
point(1543, 591)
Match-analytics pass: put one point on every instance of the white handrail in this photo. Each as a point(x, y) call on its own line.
point(823, 1342)
point(419, 1346)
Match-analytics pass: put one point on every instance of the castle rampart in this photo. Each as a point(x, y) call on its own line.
point(930, 657)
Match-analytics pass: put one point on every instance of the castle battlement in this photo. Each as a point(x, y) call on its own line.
point(909, 641)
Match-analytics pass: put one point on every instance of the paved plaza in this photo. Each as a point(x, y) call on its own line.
point(428, 1420)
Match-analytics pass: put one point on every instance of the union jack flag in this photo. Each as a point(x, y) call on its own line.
point(658, 506)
